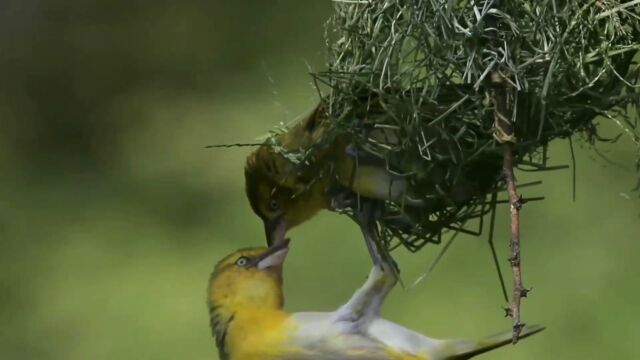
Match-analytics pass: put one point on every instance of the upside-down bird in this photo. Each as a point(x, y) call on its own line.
point(248, 321)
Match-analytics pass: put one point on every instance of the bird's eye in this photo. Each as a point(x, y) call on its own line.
point(274, 205)
point(242, 261)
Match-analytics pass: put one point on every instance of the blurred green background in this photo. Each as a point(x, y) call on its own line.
point(112, 213)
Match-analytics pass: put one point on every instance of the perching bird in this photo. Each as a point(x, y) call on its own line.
point(285, 195)
point(248, 321)
point(338, 173)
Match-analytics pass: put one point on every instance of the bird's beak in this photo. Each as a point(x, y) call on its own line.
point(275, 231)
point(274, 256)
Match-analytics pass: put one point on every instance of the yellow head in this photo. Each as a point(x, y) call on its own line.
point(249, 277)
point(279, 196)
point(247, 280)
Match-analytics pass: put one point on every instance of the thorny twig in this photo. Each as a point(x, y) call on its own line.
point(503, 99)
point(515, 204)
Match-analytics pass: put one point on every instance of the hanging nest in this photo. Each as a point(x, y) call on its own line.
point(426, 74)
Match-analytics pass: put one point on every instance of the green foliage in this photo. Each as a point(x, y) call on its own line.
point(427, 73)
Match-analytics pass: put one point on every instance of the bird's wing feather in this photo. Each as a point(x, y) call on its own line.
point(408, 341)
point(318, 336)
point(321, 336)
point(402, 339)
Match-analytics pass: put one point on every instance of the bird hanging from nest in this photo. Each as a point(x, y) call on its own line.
point(285, 194)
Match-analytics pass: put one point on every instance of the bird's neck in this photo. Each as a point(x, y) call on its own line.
point(231, 326)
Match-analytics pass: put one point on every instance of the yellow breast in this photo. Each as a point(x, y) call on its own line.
point(258, 335)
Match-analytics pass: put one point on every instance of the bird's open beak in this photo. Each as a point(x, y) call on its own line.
point(274, 256)
point(275, 231)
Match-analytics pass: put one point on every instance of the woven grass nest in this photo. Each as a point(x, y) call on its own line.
point(428, 72)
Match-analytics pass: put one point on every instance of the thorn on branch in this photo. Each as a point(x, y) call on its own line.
point(519, 202)
point(515, 260)
point(508, 311)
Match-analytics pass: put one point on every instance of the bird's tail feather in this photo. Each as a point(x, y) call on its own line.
point(466, 349)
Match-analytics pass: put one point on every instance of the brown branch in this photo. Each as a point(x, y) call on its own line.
point(515, 204)
point(504, 132)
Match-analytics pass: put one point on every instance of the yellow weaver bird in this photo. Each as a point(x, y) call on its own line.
point(284, 195)
point(248, 321)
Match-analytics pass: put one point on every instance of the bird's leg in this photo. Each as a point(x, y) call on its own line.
point(366, 302)
point(366, 213)
point(366, 216)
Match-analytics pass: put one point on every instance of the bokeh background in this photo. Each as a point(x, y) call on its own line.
point(112, 212)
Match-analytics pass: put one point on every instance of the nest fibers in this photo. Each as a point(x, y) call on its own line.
point(419, 71)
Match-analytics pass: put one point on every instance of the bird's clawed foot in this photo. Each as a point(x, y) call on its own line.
point(368, 211)
point(342, 199)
